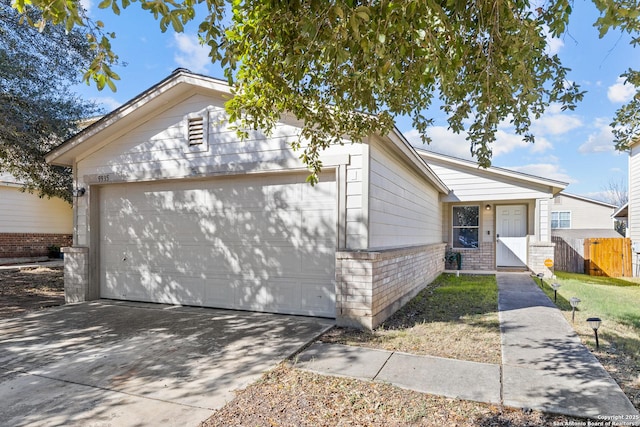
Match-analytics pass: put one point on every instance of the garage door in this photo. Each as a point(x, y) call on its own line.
point(262, 243)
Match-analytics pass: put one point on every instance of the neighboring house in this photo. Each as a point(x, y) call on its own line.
point(29, 225)
point(176, 209)
point(496, 218)
point(633, 216)
point(579, 217)
point(622, 216)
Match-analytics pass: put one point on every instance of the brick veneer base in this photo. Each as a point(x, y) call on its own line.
point(372, 285)
point(26, 245)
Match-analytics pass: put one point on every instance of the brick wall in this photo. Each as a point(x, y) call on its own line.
point(26, 245)
point(537, 254)
point(77, 286)
point(372, 285)
point(482, 258)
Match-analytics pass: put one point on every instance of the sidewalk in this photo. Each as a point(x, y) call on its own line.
point(19, 263)
point(544, 365)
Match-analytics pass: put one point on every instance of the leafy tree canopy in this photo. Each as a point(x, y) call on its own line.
point(37, 108)
point(348, 67)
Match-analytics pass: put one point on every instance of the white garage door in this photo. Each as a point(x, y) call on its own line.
point(262, 243)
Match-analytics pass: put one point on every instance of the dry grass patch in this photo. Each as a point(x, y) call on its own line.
point(26, 290)
point(291, 397)
point(454, 317)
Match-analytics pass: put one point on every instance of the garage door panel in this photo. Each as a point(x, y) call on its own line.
point(257, 243)
point(318, 297)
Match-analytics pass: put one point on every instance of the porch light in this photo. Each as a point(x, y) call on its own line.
point(487, 208)
point(574, 304)
point(555, 287)
point(595, 322)
point(78, 192)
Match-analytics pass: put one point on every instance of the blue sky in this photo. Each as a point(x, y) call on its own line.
point(572, 146)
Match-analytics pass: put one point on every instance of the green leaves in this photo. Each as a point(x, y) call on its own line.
point(347, 68)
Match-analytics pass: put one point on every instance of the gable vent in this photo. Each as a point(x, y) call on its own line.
point(196, 131)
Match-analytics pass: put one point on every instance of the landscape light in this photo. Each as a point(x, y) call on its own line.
point(594, 322)
point(574, 304)
point(555, 287)
point(540, 276)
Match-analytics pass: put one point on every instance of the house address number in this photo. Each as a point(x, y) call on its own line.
point(103, 178)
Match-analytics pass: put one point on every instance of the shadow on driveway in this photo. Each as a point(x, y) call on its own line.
point(132, 364)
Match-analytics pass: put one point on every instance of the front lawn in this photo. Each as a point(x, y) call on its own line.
point(617, 303)
point(454, 317)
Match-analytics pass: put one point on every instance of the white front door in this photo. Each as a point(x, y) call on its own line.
point(511, 235)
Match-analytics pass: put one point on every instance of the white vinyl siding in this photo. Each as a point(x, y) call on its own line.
point(584, 214)
point(634, 193)
point(155, 150)
point(27, 213)
point(404, 208)
point(476, 184)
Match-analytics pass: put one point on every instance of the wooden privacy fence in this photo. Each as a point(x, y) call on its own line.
point(569, 254)
point(608, 257)
point(595, 256)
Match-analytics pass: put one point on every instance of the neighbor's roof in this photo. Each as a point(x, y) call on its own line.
point(587, 199)
point(622, 212)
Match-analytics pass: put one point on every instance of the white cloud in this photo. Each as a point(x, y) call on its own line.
point(87, 5)
point(600, 141)
point(443, 141)
point(544, 170)
point(108, 103)
point(554, 45)
point(447, 142)
point(191, 54)
point(620, 91)
point(555, 123)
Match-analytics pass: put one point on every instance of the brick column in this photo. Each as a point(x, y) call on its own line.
point(538, 252)
point(76, 275)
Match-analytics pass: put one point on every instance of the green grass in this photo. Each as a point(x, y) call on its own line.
point(448, 299)
point(614, 299)
point(453, 317)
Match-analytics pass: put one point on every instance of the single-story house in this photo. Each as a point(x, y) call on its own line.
point(172, 207)
point(30, 225)
point(495, 217)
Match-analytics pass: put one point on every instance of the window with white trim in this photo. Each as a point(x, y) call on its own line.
point(561, 219)
point(466, 226)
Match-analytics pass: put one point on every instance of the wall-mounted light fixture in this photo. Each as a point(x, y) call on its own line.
point(79, 192)
point(488, 207)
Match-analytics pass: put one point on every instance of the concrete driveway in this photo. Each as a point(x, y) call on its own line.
point(109, 363)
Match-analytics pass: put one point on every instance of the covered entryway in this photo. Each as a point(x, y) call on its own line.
point(511, 236)
point(252, 242)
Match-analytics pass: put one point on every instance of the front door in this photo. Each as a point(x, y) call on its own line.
point(511, 236)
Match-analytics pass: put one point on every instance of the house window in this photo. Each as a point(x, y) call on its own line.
point(561, 219)
point(466, 225)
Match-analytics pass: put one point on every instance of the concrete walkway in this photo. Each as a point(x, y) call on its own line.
point(545, 366)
